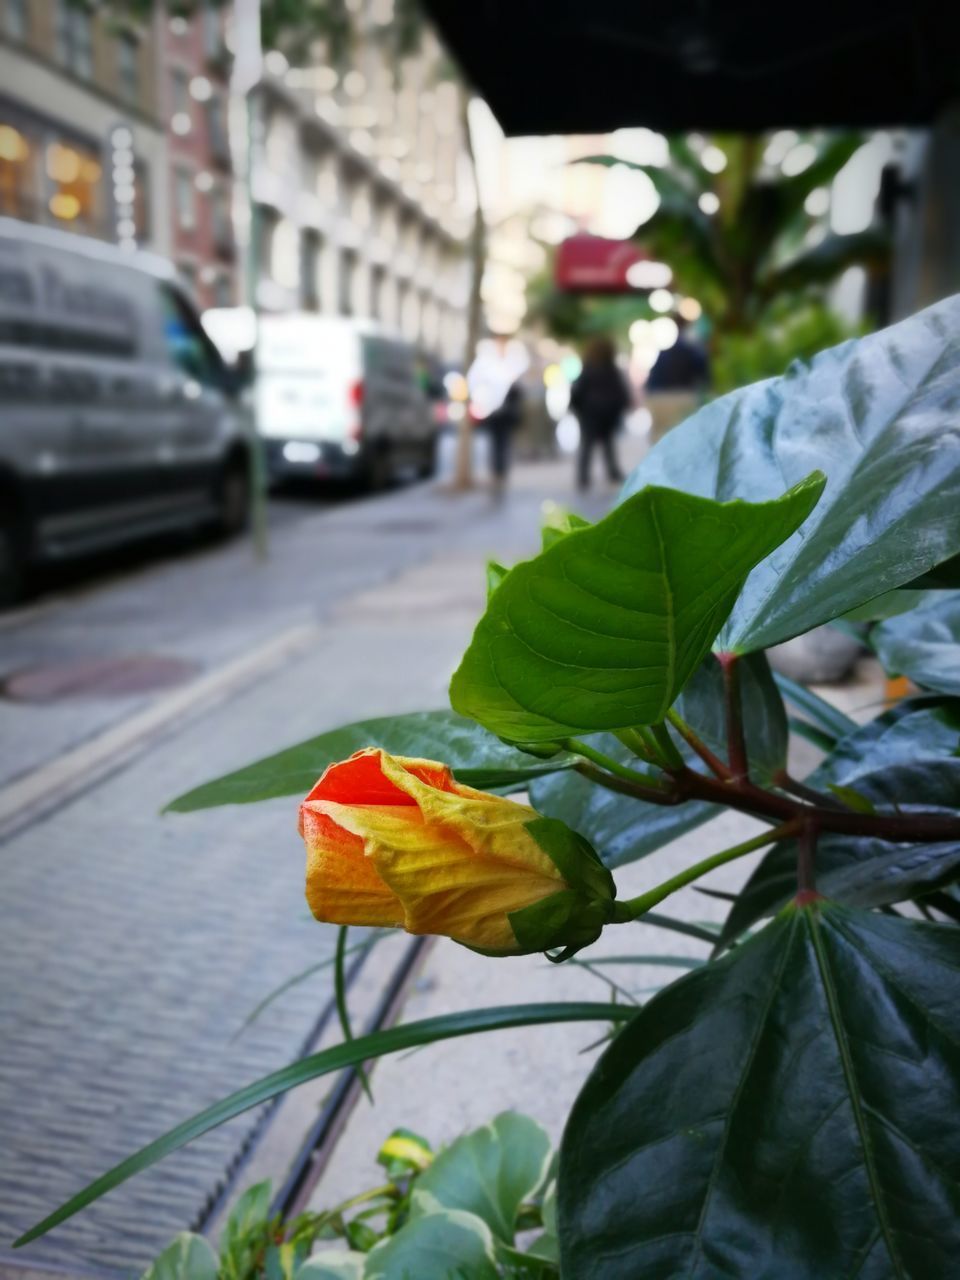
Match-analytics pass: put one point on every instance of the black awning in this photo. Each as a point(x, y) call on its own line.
point(589, 66)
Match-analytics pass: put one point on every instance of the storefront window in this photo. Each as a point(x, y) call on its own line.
point(75, 37)
point(18, 173)
point(73, 185)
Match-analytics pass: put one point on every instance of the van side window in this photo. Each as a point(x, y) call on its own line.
point(188, 346)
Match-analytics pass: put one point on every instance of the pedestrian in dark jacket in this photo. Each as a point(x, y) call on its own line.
point(599, 398)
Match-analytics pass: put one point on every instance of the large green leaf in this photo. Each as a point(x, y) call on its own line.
point(490, 1172)
point(881, 416)
point(187, 1257)
point(362, 1049)
point(924, 644)
point(903, 758)
point(446, 1244)
point(790, 1111)
point(476, 757)
point(604, 628)
point(622, 829)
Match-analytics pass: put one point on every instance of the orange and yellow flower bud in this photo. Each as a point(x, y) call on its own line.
point(399, 842)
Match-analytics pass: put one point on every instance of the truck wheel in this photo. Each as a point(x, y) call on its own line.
point(233, 498)
point(12, 564)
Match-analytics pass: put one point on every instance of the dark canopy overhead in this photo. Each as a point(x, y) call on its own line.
point(589, 66)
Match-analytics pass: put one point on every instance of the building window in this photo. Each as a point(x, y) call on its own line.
point(310, 258)
point(222, 292)
point(73, 186)
point(220, 219)
point(184, 198)
point(180, 118)
point(75, 37)
point(377, 281)
point(128, 66)
point(16, 19)
point(18, 173)
point(212, 34)
point(348, 275)
point(217, 137)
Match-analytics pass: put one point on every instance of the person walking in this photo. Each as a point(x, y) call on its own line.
point(599, 398)
point(496, 399)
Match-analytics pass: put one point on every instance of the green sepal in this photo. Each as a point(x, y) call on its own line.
point(574, 917)
point(566, 919)
point(574, 857)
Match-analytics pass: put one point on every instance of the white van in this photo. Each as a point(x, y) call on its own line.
point(117, 416)
point(337, 399)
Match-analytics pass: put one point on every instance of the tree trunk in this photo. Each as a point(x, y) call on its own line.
point(463, 475)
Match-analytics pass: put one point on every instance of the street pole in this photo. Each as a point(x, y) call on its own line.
point(247, 68)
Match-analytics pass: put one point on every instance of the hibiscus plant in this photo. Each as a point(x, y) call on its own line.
point(791, 1107)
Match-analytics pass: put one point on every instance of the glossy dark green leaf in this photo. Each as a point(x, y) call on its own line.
point(902, 758)
point(604, 628)
point(792, 1110)
point(821, 713)
point(945, 577)
point(490, 1172)
point(362, 1049)
point(924, 644)
point(881, 416)
point(476, 757)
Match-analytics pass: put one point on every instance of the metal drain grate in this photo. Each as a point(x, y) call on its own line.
point(115, 677)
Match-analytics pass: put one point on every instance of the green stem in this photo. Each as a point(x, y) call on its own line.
point(633, 908)
point(340, 992)
point(640, 742)
point(669, 751)
point(653, 792)
point(612, 766)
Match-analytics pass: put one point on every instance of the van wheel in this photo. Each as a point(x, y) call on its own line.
point(12, 564)
point(233, 499)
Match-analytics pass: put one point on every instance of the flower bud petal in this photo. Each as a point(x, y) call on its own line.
point(395, 840)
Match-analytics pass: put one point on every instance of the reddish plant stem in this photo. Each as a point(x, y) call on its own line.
point(687, 784)
point(806, 860)
point(736, 741)
point(713, 762)
point(800, 789)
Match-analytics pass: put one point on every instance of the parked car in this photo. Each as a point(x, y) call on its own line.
point(337, 399)
point(117, 415)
